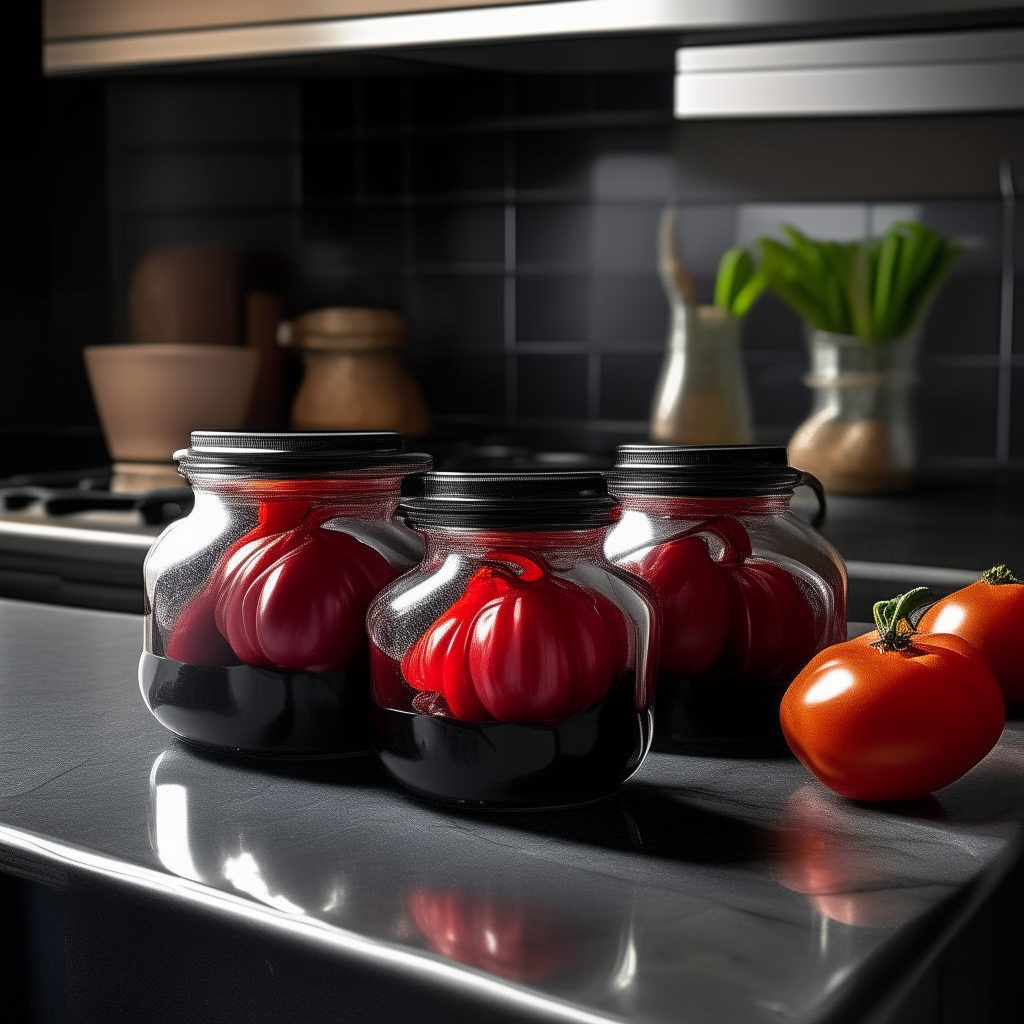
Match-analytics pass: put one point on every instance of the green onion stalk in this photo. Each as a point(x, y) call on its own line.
point(876, 290)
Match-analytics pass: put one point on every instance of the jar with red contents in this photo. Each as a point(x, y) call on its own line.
point(256, 601)
point(514, 666)
point(748, 591)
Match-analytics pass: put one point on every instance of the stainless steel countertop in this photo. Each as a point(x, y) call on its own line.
point(707, 891)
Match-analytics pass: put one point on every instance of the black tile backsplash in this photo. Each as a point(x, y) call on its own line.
point(965, 318)
point(629, 311)
point(957, 412)
point(551, 386)
point(627, 381)
point(553, 308)
point(459, 311)
point(540, 198)
point(551, 235)
point(464, 236)
point(514, 219)
point(465, 384)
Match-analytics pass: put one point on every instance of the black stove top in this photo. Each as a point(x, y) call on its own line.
point(62, 493)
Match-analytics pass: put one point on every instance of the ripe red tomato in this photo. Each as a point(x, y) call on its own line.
point(989, 615)
point(897, 724)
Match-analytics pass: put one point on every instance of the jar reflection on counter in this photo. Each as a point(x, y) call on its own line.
point(255, 602)
point(749, 592)
point(512, 667)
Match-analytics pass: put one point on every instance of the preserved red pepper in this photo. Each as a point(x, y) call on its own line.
point(525, 647)
point(297, 600)
point(290, 595)
point(195, 638)
point(732, 614)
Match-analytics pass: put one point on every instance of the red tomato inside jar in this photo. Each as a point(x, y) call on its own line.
point(514, 666)
point(256, 602)
point(748, 591)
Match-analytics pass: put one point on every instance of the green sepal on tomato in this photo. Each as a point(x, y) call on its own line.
point(989, 615)
point(894, 714)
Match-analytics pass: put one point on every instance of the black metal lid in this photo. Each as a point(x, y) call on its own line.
point(709, 471)
point(507, 501)
point(240, 453)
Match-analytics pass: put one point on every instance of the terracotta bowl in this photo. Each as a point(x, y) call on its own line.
point(150, 397)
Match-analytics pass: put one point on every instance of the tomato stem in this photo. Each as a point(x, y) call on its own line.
point(999, 574)
point(892, 619)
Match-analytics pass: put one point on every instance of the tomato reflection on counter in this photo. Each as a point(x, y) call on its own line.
point(290, 594)
point(520, 645)
point(509, 937)
point(989, 615)
point(732, 614)
point(844, 877)
point(896, 714)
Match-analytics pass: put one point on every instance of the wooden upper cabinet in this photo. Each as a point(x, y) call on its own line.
point(83, 19)
point(86, 36)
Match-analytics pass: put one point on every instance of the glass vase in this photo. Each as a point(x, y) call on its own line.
point(860, 436)
point(701, 396)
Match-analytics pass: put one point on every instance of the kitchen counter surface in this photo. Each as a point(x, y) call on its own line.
point(967, 523)
point(708, 891)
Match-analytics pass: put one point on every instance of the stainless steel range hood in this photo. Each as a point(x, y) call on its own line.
point(946, 72)
point(106, 35)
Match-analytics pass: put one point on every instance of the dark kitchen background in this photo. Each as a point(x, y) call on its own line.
point(513, 218)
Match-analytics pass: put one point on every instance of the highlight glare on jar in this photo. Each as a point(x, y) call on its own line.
point(748, 591)
point(514, 666)
point(256, 601)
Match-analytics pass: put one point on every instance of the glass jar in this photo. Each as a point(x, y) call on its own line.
point(256, 601)
point(512, 667)
point(748, 591)
point(860, 436)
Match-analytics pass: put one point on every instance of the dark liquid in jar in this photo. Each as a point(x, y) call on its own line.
point(498, 764)
point(719, 717)
point(262, 711)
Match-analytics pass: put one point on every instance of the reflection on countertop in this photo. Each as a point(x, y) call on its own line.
point(707, 890)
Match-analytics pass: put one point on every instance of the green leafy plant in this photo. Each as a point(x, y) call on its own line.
point(739, 283)
point(877, 290)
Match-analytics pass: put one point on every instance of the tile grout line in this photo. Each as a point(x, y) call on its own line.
point(1004, 395)
point(509, 291)
point(408, 269)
